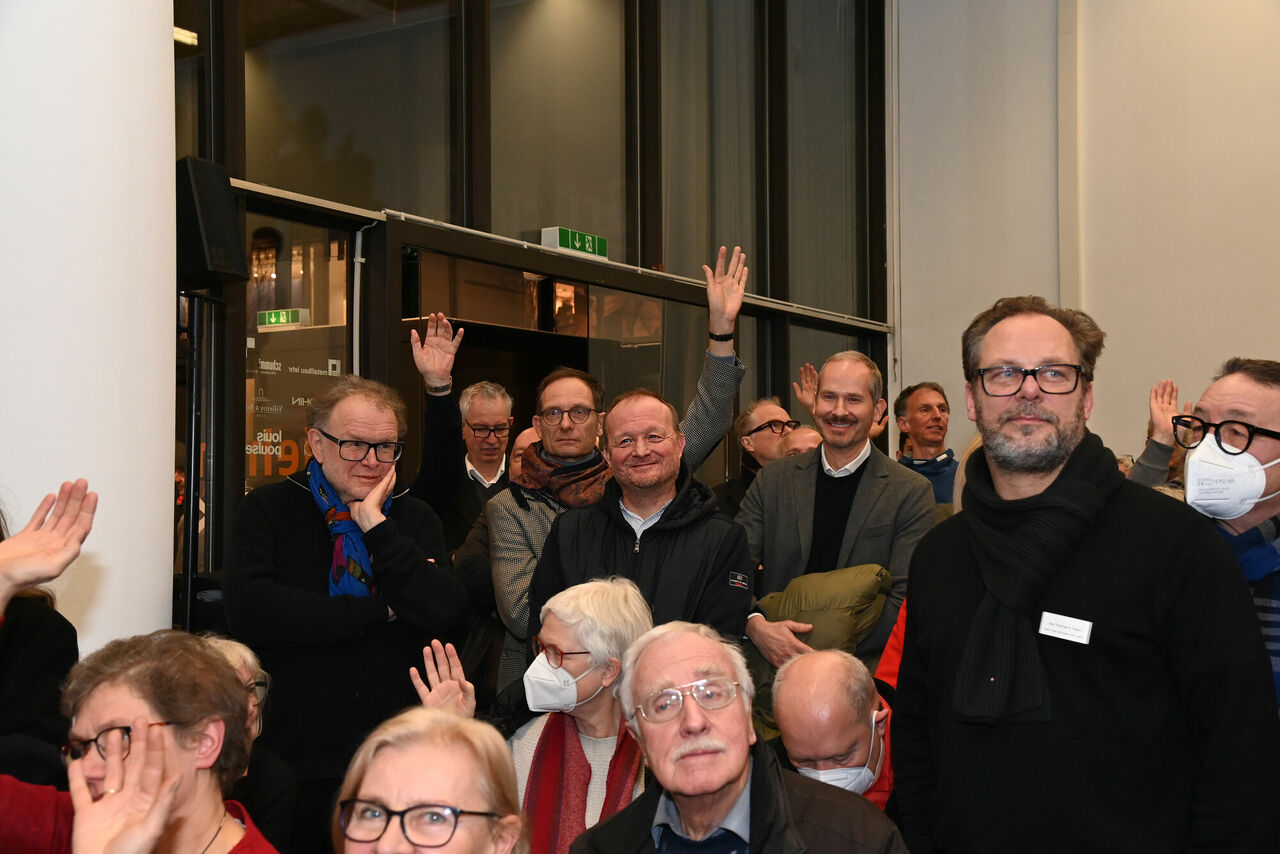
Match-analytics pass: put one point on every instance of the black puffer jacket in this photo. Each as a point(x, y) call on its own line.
point(692, 565)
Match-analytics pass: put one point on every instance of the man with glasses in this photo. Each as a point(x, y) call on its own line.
point(1080, 670)
point(654, 524)
point(1235, 478)
point(337, 582)
point(759, 429)
point(464, 441)
point(686, 695)
point(564, 468)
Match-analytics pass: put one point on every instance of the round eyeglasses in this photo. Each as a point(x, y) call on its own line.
point(710, 694)
point(578, 415)
point(1233, 437)
point(355, 450)
point(423, 825)
point(1005, 380)
point(76, 748)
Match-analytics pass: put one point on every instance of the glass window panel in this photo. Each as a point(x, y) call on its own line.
point(472, 290)
point(350, 102)
point(295, 340)
point(825, 160)
point(558, 155)
point(708, 133)
point(190, 23)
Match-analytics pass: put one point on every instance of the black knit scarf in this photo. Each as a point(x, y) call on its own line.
point(1019, 546)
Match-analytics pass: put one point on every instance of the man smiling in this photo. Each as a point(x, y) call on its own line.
point(655, 524)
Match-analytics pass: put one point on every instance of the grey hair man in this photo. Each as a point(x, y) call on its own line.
point(759, 428)
point(923, 415)
point(686, 693)
point(1060, 621)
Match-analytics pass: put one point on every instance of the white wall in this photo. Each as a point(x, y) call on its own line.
point(87, 293)
point(1169, 161)
point(1179, 146)
point(976, 164)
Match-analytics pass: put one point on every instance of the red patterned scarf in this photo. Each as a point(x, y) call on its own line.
point(575, 485)
point(555, 798)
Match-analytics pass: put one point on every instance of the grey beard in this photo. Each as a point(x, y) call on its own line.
point(1004, 453)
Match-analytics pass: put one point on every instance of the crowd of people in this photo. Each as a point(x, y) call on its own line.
point(581, 647)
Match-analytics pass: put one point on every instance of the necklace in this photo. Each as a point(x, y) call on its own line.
point(216, 832)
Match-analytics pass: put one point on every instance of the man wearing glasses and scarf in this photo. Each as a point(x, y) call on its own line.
point(337, 582)
point(1081, 671)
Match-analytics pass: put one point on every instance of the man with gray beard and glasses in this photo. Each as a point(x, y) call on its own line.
point(1080, 669)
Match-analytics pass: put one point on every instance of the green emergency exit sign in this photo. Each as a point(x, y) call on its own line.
point(283, 317)
point(579, 241)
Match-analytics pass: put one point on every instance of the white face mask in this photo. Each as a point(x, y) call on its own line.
point(552, 689)
point(857, 779)
point(1222, 485)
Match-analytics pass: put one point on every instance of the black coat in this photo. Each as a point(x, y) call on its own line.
point(692, 565)
point(790, 814)
point(338, 666)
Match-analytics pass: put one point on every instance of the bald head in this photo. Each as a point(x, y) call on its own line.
point(820, 684)
point(524, 439)
point(798, 441)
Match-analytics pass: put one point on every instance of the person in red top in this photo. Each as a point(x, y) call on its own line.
point(834, 725)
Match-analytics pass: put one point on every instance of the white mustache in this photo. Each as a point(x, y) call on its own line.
point(700, 745)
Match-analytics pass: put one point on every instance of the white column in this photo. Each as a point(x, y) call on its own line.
point(87, 294)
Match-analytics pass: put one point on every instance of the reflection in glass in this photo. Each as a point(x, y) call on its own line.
point(350, 102)
point(295, 337)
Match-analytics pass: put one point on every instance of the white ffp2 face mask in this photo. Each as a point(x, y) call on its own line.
point(856, 779)
point(552, 689)
point(1222, 485)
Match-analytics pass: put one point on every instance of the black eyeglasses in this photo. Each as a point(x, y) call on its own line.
point(778, 427)
point(424, 825)
point(555, 655)
point(710, 694)
point(482, 432)
point(259, 687)
point(355, 450)
point(578, 415)
point(1234, 437)
point(76, 748)
point(1005, 380)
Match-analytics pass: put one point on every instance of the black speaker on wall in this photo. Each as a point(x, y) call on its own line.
point(210, 243)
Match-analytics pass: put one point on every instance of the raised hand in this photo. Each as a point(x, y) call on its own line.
point(1164, 406)
point(725, 287)
point(50, 541)
point(807, 389)
point(434, 351)
point(367, 513)
point(133, 811)
point(446, 686)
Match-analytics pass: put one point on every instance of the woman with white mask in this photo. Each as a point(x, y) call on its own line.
point(576, 764)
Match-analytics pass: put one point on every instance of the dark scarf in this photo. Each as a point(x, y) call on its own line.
point(351, 570)
point(555, 796)
point(1020, 545)
point(575, 485)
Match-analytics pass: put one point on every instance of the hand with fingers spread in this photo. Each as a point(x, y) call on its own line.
point(434, 351)
point(446, 686)
point(1164, 406)
point(367, 513)
point(133, 810)
point(807, 389)
point(725, 289)
point(50, 541)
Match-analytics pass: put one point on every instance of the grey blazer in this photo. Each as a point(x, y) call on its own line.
point(892, 510)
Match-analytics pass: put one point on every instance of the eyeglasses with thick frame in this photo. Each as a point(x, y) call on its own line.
point(423, 825)
point(778, 427)
point(76, 748)
point(355, 450)
point(554, 415)
point(555, 655)
point(711, 694)
point(1005, 380)
point(1233, 437)
point(259, 687)
point(481, 431)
